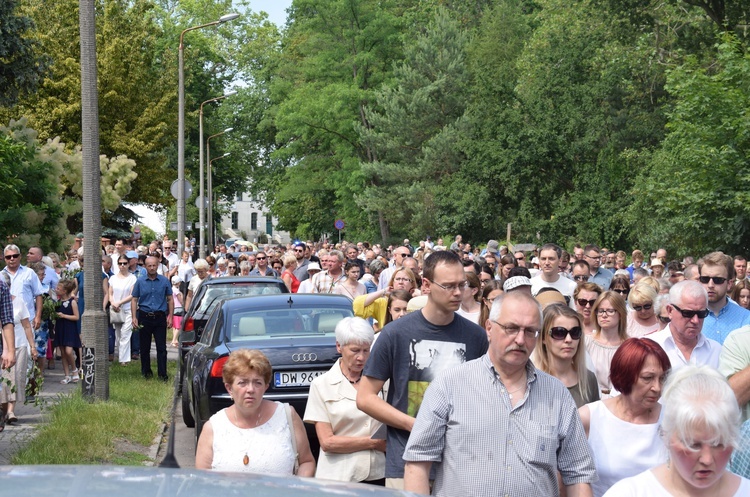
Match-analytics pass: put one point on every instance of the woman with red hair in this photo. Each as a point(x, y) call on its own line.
point(623, 431)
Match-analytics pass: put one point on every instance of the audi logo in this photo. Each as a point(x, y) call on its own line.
point(304, 357)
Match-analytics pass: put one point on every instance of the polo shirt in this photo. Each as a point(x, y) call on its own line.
point(152, 293)
point(705, 353)
point(730, 317)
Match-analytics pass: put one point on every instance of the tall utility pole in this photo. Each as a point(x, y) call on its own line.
point(94, 361)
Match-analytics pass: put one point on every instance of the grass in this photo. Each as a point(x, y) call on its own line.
point(117, 431)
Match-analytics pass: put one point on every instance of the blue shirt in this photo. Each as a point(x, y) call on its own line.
point(140, 272)
point(730, 317)
point(152, 294)
point(25, 284)
point(603, 277)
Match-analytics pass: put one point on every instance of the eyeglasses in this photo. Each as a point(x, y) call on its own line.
point(167, 248)
point(513, 330)
point(644, 307)
point(584, 302)
point(12, 256)
point(621, 291)
point(520, 258)
point(606, 312)
point(664, 319)
point(718, 280)
point(687, 314)
point(559, 332)
point(122, 263)
point(402, 255)
point(261, 258)
point(299, 250)
point(404, 280)
point(594, 257)
point(581, 277)
point(453, 287)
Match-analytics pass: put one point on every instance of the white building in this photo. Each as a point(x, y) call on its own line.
point(247, 216)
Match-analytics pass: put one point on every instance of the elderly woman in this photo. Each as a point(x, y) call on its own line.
point(611, 330)
point(700, 428)
point(349, 452)
point(202, 269)
point(245, 268)
point(661, 310)
point(559, 352)
point(642, 319)
point(253, 435)
point(623, 431)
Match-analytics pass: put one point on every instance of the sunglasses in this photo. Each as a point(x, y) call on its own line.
point(584, 302)
point(621, 291)
point(261, 258)
point(718, 280)
point(689, 314)
point(122, 263)
point(644, 307)
point(12, 256)
point(559, 332)
point(581, 277)
point(664, 319)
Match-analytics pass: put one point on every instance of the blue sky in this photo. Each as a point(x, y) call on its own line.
point(276, 9)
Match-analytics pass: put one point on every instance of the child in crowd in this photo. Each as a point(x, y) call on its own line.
point(66, 331)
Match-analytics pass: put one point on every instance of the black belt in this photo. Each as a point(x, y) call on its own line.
point(154, 314)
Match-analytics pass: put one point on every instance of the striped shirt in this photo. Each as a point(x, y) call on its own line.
point(484, 446)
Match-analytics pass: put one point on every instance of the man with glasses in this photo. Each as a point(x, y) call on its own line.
point(716, 274)
point(527, 430)
point(599, 275)
point(399, 256)
point(580, 272)
point(682, 339)
point(174, 259)
point(520, 258)
point(262, 268)
point(24, 283)
point(302, 261)
point(549, 276)
point(412, 350)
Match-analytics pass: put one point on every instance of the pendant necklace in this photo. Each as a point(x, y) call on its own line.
point(246, 458)
point(350, 381)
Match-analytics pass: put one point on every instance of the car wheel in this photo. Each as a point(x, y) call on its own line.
point(187, 416)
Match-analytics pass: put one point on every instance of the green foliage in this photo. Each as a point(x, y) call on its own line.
point(21, 62)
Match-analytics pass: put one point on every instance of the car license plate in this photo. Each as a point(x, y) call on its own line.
point(295, 378)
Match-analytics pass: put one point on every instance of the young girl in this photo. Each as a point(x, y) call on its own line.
point(66, 332)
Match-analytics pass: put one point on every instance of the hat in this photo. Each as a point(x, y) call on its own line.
point(657, 262)
point(535, 260)
point(131, 254)
point(176, 280)
point(515, 282)
point(549, 295)
point(492, 246)
point(416, 303)
point(313, 266)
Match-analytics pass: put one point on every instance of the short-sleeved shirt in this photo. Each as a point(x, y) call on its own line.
point(730, 318)
point(602, 277)
point(152, 293)
point(734, 357)
point(410, 352)
point(485, 446)
point(25, 284)
point(705, 353)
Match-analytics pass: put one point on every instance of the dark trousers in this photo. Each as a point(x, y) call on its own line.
point(153, 325)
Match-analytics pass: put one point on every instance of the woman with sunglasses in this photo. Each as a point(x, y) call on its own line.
point(585, 296)
point(120, 294)
point(611, 316)
point(623, 431)
point(620, 284)
point(559, 353)
point(642, 318)
point(662, 311)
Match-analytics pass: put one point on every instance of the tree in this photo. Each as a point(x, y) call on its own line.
point(21, 62)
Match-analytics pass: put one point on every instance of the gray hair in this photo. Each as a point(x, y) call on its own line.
point(245, 265)
point(200, 264)
point(497, 304)
point(338, 254)
point(660, 302)
point(687, 288)
point(11, 247)
point(354, 330)
point(700, 397)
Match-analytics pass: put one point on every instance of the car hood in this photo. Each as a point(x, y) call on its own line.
point(122, 481)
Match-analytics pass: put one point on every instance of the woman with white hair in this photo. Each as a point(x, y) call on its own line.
point(348, 450)
point(201, 273)
point(700, 426)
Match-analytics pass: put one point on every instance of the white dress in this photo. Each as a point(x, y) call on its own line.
point(647, 485)
point(621, 449)
point(268, 447)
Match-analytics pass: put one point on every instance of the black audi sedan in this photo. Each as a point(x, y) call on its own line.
point(295, 332)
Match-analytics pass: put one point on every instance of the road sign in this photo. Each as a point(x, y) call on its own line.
point(198, 202)
point(339, 224)
point(186, 185)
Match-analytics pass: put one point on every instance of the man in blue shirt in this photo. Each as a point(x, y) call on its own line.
point(152, 309)
point(716, 274)
point(599, 275)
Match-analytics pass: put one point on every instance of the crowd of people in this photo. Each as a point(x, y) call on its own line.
point(569, 372)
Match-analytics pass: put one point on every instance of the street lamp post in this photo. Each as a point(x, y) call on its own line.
point(210, 184)
point(181, 131)
point(202, 207)
point(211, 193)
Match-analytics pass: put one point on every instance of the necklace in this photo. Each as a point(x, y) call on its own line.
point(521, 387)
point(246, 458)
point(353, 382)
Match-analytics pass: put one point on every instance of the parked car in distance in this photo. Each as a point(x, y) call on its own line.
point(210, 293)
point(295, 332)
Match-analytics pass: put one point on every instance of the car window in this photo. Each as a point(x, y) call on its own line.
point(273, 323)
point(217, 293)
point(213, 324)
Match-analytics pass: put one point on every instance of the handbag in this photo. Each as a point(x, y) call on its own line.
point(116, 317)
point(290, 421)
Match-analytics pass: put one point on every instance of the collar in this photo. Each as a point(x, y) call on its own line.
point(530, 369)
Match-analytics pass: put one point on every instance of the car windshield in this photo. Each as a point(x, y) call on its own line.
point(217, 293)
point(265, 323)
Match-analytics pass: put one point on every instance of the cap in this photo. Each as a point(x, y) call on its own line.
point(535, 260)
point(416, 303)
point(176, 280)
point(492, 246)
point(657, 262)
point(313, 266)
point(515, 282)
point(131, 254)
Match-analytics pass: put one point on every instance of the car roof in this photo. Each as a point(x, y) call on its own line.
point(288, 300)
point(233, 280)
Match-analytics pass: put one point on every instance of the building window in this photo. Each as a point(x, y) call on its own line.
point(235, 220)
point(254, 221)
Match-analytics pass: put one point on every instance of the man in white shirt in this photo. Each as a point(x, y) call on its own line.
point(549, 274)
point(682, 339)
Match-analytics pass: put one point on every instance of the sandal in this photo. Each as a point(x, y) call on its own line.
point(74, 379)
point(11, 418)
point(65, 380)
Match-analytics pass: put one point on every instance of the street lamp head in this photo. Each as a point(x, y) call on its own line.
point(229, 17)
point(228, 130)
point(230, 93)
point(226, 155)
